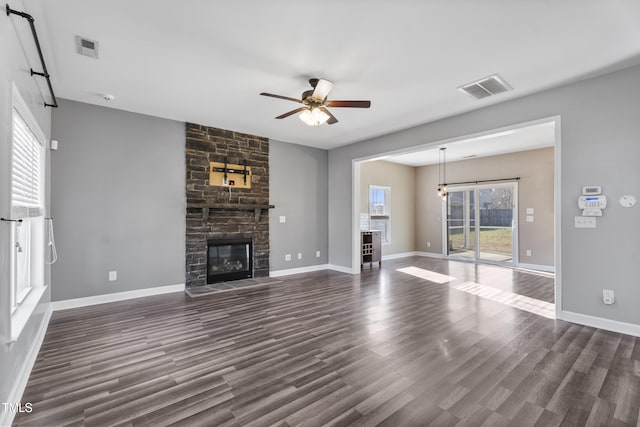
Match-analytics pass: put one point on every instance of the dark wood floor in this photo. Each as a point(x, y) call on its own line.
point(384, 348)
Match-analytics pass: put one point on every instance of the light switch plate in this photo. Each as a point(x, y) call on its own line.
point(283, 219)
point(530, 211)
point(585, 222)
point(529, 218)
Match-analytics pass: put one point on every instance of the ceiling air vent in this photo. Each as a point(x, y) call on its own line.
point(488, 86)
point(87, 47)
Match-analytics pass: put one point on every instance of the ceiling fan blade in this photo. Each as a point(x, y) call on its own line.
point(281, 97)
point(332, 118)
point(323, 87)
point(350, 104)
point(285, 115)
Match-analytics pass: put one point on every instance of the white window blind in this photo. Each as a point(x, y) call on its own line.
point(26, 165)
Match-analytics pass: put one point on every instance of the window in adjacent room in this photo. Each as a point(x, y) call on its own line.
point(380, 211)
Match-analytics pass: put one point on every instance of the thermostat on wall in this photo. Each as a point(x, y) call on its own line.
point(592, 190)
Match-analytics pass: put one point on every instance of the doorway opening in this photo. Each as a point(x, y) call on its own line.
point(489, 218)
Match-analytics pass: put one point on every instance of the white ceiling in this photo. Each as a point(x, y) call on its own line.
point(206, 61)
point(510, 141)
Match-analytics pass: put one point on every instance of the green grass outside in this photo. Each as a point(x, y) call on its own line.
point(496, 240)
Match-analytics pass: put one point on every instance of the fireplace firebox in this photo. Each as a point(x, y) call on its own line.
point(229, 259)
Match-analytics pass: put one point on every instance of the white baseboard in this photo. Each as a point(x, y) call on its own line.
point(413, 253)
point(398, 255)
point(333, 267)
point(342, 269)
point(117, 296)
point(298, 270)
point(547, 268)
point(429, 254)
point(15, 396)
point(601, 323)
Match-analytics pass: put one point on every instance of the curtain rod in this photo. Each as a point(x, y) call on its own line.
point(517, 178)
point(44, 72)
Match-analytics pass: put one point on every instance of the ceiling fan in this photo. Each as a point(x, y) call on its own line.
point(314, 111)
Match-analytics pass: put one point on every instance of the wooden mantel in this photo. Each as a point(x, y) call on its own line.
point(257, 209)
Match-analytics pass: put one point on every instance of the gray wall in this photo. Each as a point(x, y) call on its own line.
point(402, 180)
point(535, 190)
point(298, 189)
point(600, 146)
point(14, 68)
point(118, 185)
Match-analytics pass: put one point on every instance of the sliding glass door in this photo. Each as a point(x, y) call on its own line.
point(481, 223)
point(497, 224)
point(460, 220)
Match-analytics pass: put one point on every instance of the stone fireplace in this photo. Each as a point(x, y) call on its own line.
point(225, 224)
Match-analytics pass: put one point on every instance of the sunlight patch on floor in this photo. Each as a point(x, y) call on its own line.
point(521, 302)
point(431, 276)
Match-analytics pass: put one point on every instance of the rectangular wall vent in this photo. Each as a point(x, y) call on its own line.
point(87, 47)
point(485, 87)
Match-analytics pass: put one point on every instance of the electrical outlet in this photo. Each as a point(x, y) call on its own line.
point(113, 275)
point(287, 257)
point(608, 296)
point(428, 244)
point(528, 252)
point(317, 254)
point(299, 255)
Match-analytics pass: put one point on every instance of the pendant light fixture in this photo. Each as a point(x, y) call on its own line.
point(442, 173)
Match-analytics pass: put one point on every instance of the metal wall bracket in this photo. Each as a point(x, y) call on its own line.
point(44, 72)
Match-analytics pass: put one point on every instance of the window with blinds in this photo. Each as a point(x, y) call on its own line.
point(27, 202)
point(22, 252)
point(380, 211)
point(26, 168)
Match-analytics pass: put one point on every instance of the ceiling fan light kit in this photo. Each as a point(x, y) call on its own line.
point(314, 117)
point(314, 111)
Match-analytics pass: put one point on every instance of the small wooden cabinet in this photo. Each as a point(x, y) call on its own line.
point(370, 247)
